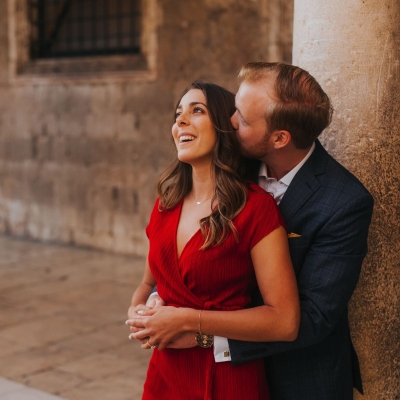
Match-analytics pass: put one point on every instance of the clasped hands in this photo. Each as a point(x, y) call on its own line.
point(158, 325)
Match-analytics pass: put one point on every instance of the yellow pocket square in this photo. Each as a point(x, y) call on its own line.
point(293, 235)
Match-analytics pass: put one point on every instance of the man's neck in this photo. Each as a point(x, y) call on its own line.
point(281, 163)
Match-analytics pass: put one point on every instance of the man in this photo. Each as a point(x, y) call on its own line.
point(281, 110)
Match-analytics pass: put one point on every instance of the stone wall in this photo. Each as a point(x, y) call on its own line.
point(80, 157)
point(353, 49)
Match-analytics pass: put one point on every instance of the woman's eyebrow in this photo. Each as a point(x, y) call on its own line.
point(193, 103)
point(198, 102)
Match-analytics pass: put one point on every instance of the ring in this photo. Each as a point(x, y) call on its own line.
point(151, 346)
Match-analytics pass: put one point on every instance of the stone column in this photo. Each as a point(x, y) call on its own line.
point(352, 47)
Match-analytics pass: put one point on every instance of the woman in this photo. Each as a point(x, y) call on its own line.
point(213, 240)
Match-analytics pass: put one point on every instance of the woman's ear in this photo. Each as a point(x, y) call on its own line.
point(281, 139)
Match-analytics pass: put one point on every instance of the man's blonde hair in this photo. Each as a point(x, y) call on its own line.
point(302, 107)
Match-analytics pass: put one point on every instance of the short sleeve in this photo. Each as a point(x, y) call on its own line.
point(153, 216)
point(263, 215)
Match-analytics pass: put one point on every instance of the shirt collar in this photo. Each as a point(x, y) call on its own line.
point(287, 179)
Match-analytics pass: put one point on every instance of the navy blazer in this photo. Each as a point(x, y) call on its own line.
point(331, 210)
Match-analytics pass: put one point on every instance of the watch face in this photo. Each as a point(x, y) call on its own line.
point(204, 340)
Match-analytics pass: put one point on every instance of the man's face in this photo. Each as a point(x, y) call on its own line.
point(252, 101)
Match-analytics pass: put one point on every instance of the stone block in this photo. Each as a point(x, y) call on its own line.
point(82, 157)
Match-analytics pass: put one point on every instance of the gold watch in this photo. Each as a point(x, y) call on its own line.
point(204, 340)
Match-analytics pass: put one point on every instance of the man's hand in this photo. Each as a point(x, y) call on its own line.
point(184, 341)
point(155, 301)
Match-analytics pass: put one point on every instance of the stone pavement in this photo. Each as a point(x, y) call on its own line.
point(62, 331)
point(10, 390)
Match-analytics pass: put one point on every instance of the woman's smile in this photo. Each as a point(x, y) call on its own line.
point(185, 138)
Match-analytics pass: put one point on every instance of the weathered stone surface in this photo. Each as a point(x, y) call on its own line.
point(352, 48)
point(79, 160)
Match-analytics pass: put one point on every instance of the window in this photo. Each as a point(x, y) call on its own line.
point(82, 40)
point(73, 28)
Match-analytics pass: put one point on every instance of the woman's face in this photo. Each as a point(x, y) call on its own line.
point(193, 132)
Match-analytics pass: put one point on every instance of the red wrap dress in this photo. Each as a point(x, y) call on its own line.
point(218, 278)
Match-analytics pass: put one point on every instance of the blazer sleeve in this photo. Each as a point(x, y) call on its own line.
point(326, 281)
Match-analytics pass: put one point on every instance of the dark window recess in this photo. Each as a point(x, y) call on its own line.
point(76, 28)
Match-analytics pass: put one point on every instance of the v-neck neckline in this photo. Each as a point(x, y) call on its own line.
point(179, 256)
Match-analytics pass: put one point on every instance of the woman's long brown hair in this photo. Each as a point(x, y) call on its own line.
point(230, 190)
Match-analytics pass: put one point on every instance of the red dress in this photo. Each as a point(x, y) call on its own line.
point(218, 278)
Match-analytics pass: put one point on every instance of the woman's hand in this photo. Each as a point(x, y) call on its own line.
point(153, 301)
point(133, 311)
point(163, 325)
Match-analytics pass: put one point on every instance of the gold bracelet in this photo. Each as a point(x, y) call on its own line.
point(199, 322)
point(202, 339)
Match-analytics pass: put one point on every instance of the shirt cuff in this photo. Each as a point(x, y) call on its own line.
point(221, 349)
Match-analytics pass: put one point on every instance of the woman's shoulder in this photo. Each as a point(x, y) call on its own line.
point(259, 202)
point(160, 210)
point(260, 216)
point(161, 216)
point(258, 194)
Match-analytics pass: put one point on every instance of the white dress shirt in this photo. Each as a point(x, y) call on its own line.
point(277, 189)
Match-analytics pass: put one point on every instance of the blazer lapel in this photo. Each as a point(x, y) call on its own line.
point(305, 183)
point(298, 192)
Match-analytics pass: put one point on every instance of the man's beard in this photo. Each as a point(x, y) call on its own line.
point(258, 150)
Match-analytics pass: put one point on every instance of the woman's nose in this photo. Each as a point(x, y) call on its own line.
point(181, 119)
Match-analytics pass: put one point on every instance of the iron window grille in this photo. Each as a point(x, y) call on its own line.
point(76, 28)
